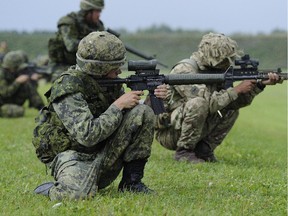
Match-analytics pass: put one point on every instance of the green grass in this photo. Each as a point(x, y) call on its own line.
point(250, 178)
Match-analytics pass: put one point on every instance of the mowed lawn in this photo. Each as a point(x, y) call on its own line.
point(249, 179)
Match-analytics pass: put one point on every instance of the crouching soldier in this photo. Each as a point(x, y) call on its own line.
point(88, 132)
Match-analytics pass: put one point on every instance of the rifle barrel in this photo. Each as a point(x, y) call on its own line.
point(184, 79)
point(261, 76)
point(142, 55)
point(283, 76)
point(133, 50)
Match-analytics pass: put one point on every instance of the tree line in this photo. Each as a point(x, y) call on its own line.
point(168, 46)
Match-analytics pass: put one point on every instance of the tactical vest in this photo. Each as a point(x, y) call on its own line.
point(50, 135)
point(177, 97)
point(56, 47)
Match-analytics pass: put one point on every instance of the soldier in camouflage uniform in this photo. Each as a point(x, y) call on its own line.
point(3, 50)
point(16, 87)
point(88, 133)
point(71, 29)
point(200, 116)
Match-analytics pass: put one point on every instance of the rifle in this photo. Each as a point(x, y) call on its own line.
point(134, 51)
point(33, 68)
point(147, 77)
point(248, 70)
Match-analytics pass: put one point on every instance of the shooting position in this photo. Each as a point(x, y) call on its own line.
point(198, 117)
point(17, 85)
point(88, 133)
point(148, 77)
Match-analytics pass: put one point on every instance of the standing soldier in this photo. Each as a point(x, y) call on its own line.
point(71, 29)
point(16, 86)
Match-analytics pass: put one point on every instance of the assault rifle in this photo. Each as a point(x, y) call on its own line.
point(134, 51)
point(147, 77)
point(247, 69)
point(33, 68)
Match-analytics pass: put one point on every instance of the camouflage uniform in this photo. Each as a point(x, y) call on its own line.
point(71, 29)
point(82, 136)
point(13, 95)
point(200, 116)
point(3, 50)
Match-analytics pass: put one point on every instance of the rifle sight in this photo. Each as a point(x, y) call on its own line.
point(142, 65)
point(245, 61)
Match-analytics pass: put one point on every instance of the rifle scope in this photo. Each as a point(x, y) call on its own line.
point(246, 61)
point(142, 65)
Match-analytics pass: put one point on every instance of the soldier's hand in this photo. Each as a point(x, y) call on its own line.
point(128, 100)
point(161, 91)
point(273, 79)
point(22, 79)
point(36, 77)
point(245, 86)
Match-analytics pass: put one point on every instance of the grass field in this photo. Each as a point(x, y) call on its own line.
point(249, 179)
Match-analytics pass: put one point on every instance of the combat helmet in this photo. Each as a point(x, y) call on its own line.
point(87, 5)
point(216, 51)
point(15, 60)
point(99, 53)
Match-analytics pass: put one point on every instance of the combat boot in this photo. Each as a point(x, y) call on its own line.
point(44, 188)
point(188, 155)
point(132, 174)
point(204, 151)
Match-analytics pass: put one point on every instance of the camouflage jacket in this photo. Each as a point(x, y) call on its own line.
point(71, 29)
point(79, 116)
point(219, 98)
point(12, 92)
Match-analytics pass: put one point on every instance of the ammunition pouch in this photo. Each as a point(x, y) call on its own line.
point(49, 138)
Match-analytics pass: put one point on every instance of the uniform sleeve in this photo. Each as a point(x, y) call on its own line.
point(69, 37)
point(221, 99)
point(76, 116)
point(217, 99)
point(245, 99)
point(8, 90)
point(35, 100)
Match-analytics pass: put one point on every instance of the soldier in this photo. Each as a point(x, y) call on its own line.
point(200, 116)
point(71, 29)
point(3, 50)
point(87, 133)
point(30, 68)
point(16, 87)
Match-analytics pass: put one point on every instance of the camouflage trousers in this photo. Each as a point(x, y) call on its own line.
point(11, 111)
point(192, 123)
point(79, 175)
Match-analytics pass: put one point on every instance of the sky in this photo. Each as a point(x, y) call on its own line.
point(223, 16)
